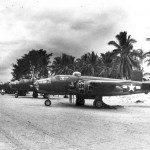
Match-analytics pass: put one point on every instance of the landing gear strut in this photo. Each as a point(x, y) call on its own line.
point(79, 100)
point(2, 92)
point(16, 94)
point(45, 95)
point(48, 101)
point(20, 93)
point(35, 94)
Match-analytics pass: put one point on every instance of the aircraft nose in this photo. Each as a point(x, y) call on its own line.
point(10, 85)
point(36, 85)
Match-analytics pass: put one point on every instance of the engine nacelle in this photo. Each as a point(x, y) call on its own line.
point(84, 87)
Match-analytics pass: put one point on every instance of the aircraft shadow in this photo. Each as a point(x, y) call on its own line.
point(87, 106)
point(139, 106)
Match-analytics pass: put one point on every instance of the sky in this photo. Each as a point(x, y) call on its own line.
point(74, 27)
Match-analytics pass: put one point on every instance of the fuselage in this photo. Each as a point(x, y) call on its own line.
point(88, 85)
point(22, 85)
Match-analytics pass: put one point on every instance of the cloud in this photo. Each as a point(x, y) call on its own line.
point(57, 31)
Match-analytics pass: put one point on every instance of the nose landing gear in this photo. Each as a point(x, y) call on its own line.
point(48, 101)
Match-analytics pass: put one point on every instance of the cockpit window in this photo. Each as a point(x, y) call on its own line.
point(62, 77)
point(48, 80)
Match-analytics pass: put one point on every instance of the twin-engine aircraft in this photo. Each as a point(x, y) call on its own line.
point(5, 88)
point(85, 87)
point(23, 86)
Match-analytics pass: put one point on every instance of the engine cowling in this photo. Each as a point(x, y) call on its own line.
point(84, 87)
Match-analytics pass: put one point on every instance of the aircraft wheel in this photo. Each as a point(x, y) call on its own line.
point(98, 104)
point(47, 103)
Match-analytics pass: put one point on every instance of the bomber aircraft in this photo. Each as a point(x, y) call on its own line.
point(5, 88)
point(85, 87)
point(23, 86)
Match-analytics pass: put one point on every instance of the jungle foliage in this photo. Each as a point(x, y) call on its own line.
point(118, 63)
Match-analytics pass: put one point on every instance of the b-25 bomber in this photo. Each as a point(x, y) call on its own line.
point(5, 88)
point(85, 87)
point(23, 86)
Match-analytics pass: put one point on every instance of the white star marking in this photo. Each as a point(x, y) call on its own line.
point(131, 87)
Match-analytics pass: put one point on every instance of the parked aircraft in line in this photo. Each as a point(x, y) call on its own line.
point(91, 87)
point(5, 88)
point(23, 86)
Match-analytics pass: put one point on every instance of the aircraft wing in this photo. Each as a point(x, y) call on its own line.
point(112, 82)
point(121, 85)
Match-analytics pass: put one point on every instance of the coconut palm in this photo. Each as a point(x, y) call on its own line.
point(124, 51)
point(44, 63)
point(64, 64)
point(108, 65)
point(89, 64)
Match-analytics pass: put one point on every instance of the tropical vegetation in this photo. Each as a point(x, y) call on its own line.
point(118, 63)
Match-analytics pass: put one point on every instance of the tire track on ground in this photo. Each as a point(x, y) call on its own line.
point(40, 131)
point(13, 140)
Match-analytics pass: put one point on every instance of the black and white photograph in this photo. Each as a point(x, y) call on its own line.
point(74, 74)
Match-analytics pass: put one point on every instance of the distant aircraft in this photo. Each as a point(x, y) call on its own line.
point(23, 86)
point(90, 87)
point(4, 88)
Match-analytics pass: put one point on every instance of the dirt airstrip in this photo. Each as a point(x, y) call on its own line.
point(26, 124)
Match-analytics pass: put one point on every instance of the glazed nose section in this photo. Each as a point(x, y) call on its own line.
point(10, 84)
point(36, 85)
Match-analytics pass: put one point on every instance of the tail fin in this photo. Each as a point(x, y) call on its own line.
point(136, 75)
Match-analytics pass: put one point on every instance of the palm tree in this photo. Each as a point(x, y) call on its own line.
point(124, 51)
point(64, 64)
point(108, 65)
point(142, 57)
point(89, 64)
point(44, 63)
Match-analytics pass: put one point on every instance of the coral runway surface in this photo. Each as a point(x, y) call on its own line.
point(27, 124)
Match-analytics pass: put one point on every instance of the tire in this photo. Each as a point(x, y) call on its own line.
point(98, 104)
point(47, 102)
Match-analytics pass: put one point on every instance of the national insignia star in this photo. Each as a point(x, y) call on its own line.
point(131, 87)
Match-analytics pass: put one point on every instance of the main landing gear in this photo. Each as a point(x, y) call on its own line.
point(45, 95)
point(35, 94)
point(20, 93)
point(16, 94)
point(80, 100)
point(48, 101)
point(98, 103)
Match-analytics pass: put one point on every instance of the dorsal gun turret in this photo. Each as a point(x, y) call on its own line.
point(77, 74)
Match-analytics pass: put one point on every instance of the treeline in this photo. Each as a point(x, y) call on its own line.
point(118, 63)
